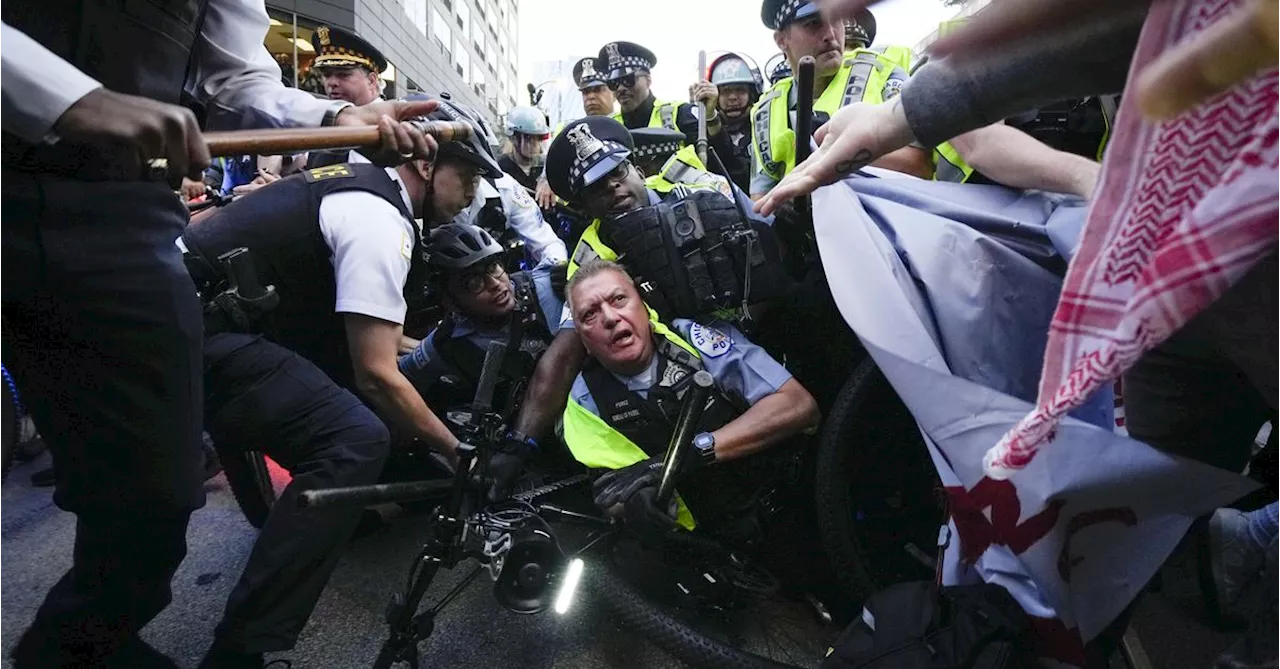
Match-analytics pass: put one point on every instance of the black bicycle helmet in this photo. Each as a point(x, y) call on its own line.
point(476, 150)
point(455, 247)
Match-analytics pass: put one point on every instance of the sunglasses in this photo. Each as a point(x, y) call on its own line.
point(628, 81)
point(475, 280)
point(605, 184)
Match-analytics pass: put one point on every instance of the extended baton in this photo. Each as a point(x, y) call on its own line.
point(695, 400)
point(702, 112)
point(804, 117)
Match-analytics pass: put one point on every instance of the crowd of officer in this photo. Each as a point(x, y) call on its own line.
point(390, 270)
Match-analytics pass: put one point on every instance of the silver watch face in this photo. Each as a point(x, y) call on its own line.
point(704, 442)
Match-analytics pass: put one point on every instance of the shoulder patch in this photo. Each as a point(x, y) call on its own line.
point(892, 88)
point(709, 341)
point(328, 172)
point(521, 197)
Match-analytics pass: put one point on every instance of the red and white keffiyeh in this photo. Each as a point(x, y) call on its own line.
point(1183, 210)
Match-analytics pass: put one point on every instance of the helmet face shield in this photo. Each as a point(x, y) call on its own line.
point(530, 147)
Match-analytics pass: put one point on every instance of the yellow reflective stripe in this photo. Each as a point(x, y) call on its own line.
point(949, 166)
point(589, 248)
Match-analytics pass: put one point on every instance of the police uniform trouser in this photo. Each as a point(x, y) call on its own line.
point(262, 396)
point(102, 333)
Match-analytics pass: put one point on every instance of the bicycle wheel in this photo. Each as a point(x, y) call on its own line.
point(10, 425)
point(250, 483)
point(715, 610)
point(876, 491)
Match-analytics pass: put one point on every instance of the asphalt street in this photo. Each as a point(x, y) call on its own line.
point(347, 626)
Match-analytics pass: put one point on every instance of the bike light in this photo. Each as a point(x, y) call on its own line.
point(570, 584)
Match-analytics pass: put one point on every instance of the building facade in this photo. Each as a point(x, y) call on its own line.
point(466, 48)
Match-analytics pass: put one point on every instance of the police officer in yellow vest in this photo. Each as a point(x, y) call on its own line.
point(623, 405)
point(840, 78)
point(626, 66)
point(589, 165)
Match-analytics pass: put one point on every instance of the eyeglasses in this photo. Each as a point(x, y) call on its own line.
point(475, 280)
point(628, 81)
point(605, 183)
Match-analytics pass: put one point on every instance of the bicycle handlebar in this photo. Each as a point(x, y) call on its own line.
point(695, 400)
point(375, 494)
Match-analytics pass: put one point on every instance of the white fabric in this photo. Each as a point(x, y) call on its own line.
point(38, 85)
point(232, 73)
point(372, 244)
point(523, 216)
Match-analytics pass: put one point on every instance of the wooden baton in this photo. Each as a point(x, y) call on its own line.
point(296, 140)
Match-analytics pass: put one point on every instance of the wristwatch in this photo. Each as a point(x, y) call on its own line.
point(331, 113)
point(705, 443)
point(522, 438)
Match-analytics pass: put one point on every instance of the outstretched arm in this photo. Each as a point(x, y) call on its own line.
point(1011, 157)
point(548, 391)
point(782, 414)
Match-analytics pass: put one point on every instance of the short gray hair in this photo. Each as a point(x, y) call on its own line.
point(593, 267)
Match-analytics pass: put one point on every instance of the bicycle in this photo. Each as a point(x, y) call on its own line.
point(699, 615)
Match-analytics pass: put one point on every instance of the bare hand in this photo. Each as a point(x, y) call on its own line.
point(1227, 52)
point(139, 129)
point(707, 92)
point(399, 141)
point(264, 177)
point(545, 197)
point(192, 189)
point(855, 136)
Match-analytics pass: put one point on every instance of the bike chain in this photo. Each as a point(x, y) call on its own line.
point(530, 495)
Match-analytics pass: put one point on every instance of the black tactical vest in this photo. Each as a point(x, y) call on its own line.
point(693, 256)
point(714, 493)
point(326, 158)
point(1082, 127)
point(138, 47)
point(280, 227)
point(527, 338)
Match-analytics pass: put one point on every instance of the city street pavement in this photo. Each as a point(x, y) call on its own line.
point(347, 627)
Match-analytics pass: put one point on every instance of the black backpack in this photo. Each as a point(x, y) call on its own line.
point(919, 626)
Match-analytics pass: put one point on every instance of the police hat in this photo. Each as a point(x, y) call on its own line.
point(623, 58)
point(585, 74)
point(584, 152)
point(778, 14)
point(861, 29)
point(655, 144)
point(778, 68)
point(336, 47)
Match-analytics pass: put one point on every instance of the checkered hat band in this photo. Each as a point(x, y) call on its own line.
point(788, 11)
point(651, 150)
point(630, 63)
point(580, 167)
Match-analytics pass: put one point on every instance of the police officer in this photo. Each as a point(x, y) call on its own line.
point(499, 203)
point(739, 84)
point(597, 100)
point(484, 305)
point(306, 381)
point(349, 67)
point(102, 323)
point(840, 77)
point(627, 67)
point(778, 68)
point(623, 405)
point(527, 133)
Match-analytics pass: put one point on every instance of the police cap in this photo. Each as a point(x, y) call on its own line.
point(585, 74)
point(778, 68)
point(336, 47)
point(653, 146)
point(584, 152)
point(623, 58)
point(778, 14)
point(861, 29)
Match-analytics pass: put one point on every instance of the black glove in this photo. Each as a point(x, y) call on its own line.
point(617, 486)
point(506, 466)
point(559, 278)
point(644, 515)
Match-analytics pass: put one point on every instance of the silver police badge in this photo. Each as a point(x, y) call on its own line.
point(584, 143)
point(611, 50)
